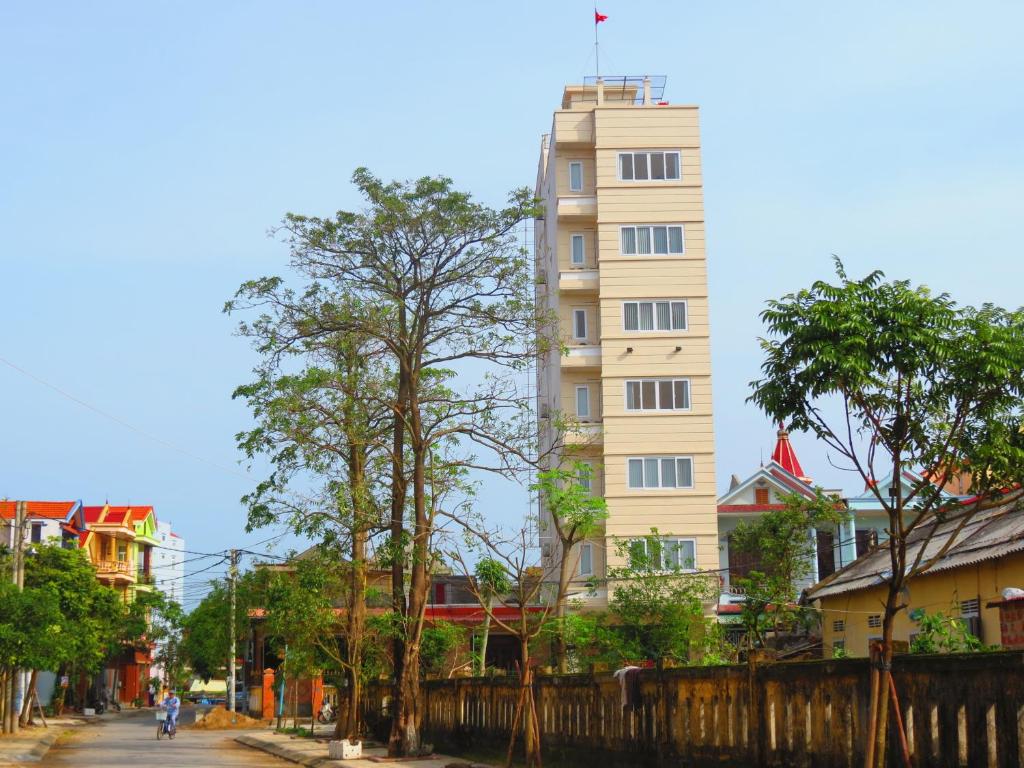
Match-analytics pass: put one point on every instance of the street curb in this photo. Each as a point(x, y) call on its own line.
point(285, 753)
point(34, 755)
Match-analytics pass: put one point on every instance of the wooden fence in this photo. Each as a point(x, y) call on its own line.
point(959, 710)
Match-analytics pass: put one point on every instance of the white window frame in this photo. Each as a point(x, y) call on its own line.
point(586, 324)
point(654, 315)
point(657, 395)
point(667, 541)
point(659, 487)
point(590, 410)
point(578, 164)
point(632, 153)
point(668, 240)
point(589, 548)
point(588, 483)
point(583, 249)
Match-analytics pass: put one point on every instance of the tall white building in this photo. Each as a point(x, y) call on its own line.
point(168, 563)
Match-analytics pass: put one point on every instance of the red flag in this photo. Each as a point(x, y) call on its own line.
point(599, 17)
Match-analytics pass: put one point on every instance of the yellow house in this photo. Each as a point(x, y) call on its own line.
point(986, 557)
point(110, 544)
point(620, 262)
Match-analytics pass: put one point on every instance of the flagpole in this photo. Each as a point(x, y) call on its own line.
point(597, 50)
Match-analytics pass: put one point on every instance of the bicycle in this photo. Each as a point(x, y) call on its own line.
point(165, 725)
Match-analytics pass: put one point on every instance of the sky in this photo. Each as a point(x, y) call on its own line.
point(146, 149)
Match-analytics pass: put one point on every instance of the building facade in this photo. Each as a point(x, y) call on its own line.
point(620, 265)
point(168, 562)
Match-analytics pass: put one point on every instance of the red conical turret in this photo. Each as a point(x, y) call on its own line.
point(785, 456)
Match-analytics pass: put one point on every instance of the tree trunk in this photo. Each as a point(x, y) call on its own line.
point(531, 734)
point(882, 707)
point(564, 576)
point(26, 704)
point(485, 635)
point(405, 737)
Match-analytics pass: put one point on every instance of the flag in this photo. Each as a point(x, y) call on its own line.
point(599, 17)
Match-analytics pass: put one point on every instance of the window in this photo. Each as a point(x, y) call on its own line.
point(122, 552)
point(761, 496)
point(660, 472)
point(838, 645)
point(654, 315)
point(875, 620)
point(586, 478)
point(440, 594)
point(576, 256)
point(586, 560)
point(658, 395)
point(37, 533)
point(649, 166)
point(667, 554)
point(576, 176)
point(838, 625)
point(583, 402)
point(579, 324)
point(970, 608)
point(659, 239)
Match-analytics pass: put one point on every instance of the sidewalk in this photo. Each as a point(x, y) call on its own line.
point(32, 743)
point(313, 753)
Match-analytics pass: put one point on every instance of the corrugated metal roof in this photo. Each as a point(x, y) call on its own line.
point(990, 534)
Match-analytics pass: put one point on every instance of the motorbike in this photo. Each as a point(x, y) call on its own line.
point(326, 713)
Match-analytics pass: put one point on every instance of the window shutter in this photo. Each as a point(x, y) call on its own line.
point(646, 316)
point(681, 393)
point(678, 315)
point(675, 239)
point(684, 469)
point(629, 240)
point(631, 316)
point(664, 312)
point(671, 165)
point(636, 473)
point(643, 240)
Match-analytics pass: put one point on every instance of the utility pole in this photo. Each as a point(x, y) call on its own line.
point(18, 577)
point(233, 574)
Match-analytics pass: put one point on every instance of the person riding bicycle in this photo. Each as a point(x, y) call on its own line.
point(172, 704)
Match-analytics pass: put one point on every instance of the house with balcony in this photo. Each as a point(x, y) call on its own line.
point(110, 544)
point(44, 521)
point(146, 538)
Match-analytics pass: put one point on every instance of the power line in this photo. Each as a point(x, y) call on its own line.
point(127, 425)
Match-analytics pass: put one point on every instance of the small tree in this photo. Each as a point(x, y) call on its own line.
point(782, 542)
point(656, 607)
point(892, 378)
point(574, 513)
point(492, 581)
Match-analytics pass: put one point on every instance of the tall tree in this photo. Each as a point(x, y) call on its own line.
point(444, 288)
point(892, 378)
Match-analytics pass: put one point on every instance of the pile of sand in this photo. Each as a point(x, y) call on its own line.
point(219, 717)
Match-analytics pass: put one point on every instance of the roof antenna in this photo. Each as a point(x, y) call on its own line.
point(761, 450)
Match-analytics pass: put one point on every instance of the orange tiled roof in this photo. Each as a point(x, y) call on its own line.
point(140, 513)
point(54, 510)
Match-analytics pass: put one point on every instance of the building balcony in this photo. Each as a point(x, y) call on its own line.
point(585, 357)
point(579, 280)
point(584, 434)
point(119, 571)
point(578, 207)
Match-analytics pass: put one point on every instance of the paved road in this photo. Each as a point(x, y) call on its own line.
point(129, 739)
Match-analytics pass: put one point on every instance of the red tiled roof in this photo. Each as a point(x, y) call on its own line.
point(54, 510)
point(729, 508)
point(785, 456)
point(140, 513)
point(115, 515)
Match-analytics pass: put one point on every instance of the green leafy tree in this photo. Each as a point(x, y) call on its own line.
point(91, 616)
point(30, 635)
point(784, 549)
point(205, 645)
point(574, 513)
point(938, 633)
point(892, 377)
point(493, 581)
point(441, 643)
point(656, 606)
point(436, 281)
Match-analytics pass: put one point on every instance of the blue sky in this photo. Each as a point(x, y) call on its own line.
point(146, 149)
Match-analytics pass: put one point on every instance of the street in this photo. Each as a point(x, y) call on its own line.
point(129, 739)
